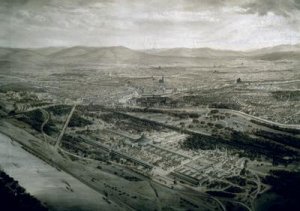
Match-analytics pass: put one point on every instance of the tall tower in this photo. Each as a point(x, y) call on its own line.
point(162, 80)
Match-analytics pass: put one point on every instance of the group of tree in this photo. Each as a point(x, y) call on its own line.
point(13, 197)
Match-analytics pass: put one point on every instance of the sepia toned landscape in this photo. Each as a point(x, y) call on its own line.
point(172, 129)
point(159, 127)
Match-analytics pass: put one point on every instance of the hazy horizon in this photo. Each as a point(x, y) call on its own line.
point(145, 49)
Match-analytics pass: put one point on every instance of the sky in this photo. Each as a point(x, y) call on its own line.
point(145, 24)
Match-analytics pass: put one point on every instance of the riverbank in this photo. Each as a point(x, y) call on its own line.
point(57, 189)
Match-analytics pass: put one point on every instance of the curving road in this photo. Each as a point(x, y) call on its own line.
point(46, 119)
point(239, 113)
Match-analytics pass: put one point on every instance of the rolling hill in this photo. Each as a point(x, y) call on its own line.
point(123, 55)
point(195, 52)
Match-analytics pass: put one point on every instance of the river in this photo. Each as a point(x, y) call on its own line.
point(57, 189)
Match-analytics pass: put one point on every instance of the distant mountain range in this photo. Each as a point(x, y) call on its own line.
point(123, 55)
point(212, 53)
point(194, 52)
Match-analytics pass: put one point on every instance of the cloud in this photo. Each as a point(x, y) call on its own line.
point(279, 7)
point(237, 24)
